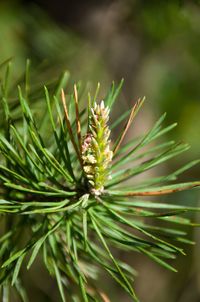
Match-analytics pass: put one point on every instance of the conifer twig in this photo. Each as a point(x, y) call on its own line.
point(76, 215)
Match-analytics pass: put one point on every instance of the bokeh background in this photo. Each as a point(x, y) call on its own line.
point(155, 47)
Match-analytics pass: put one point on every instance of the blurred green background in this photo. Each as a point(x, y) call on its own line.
point(155, 47)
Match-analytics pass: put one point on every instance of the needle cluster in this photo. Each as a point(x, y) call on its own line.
point(58, 201)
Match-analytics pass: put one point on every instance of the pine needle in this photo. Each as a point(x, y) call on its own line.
point(132, 115)
point(69, 127)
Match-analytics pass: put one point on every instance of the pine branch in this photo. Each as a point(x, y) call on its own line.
point(60, 182)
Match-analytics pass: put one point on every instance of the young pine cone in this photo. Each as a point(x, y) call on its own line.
point(96, 153)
